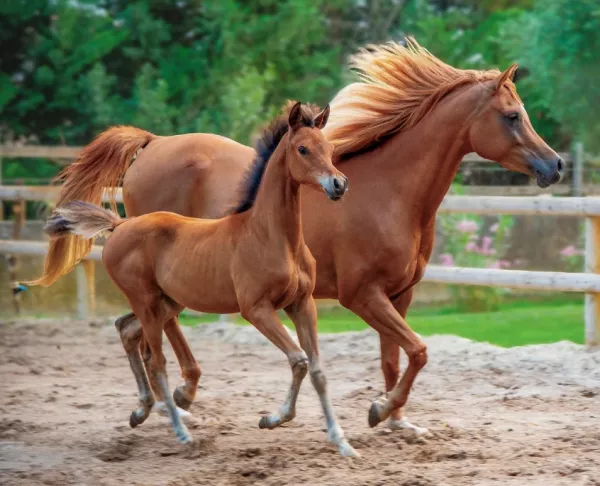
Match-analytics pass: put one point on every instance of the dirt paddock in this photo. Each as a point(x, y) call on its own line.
point(526, 415)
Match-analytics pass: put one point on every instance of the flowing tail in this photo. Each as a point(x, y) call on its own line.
point(102, 164)
point(81, 219)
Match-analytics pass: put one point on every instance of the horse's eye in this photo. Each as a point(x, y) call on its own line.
point(513, 118)
point(302, 150)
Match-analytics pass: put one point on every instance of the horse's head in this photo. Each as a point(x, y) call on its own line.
point(501, 131)
point(309, 153)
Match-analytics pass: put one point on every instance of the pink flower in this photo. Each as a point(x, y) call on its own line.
point(494, 227)
point(495, 264)
point(446, 260)
point(472, 246)
point(466, 226)
point(486, 243)
point(570, 251)
point(504, 264)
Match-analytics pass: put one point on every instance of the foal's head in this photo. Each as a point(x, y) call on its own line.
point(308, 153)
point(501, 131)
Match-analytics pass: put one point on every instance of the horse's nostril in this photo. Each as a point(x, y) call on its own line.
point(559, 165)
point(336, 184)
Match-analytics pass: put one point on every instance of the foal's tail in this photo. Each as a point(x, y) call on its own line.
point(102, 164)
point(81, 219)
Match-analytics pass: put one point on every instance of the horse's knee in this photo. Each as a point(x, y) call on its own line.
point(418, 356)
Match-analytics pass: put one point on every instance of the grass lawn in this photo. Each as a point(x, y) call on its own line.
point(519, 322)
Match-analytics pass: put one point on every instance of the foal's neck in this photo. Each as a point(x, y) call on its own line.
point(276, 210)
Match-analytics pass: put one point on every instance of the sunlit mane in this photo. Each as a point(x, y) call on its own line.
point(399, 86)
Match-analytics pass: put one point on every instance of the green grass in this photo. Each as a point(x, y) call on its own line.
point(519, 322)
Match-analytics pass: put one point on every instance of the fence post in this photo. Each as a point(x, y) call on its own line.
point(577, 182)
point(592, 264)
point(89, 267)
point(83, 310)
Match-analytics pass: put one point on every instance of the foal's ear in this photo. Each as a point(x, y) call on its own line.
point(295, 118)
point(505, 76)
point(321, 118)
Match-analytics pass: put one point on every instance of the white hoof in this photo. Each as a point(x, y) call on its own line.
point(161, 408)
point(404, 424)
point(346, 450)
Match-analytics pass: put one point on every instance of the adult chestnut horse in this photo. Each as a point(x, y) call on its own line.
point(400, 134)
point(255, 259)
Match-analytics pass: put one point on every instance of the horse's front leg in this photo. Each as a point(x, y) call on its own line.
point(375, 308)
point(390, 366)
point(304, 315)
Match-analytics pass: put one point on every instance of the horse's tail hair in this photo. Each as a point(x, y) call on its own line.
point(101, 165)
point(81, 219)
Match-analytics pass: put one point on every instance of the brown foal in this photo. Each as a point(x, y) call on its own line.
point(399, 134)
point(253, 261)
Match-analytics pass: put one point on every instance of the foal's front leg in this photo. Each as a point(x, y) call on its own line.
point(265, 319)
point(304, 315)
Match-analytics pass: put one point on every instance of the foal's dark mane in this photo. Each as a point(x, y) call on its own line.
point(265, 146)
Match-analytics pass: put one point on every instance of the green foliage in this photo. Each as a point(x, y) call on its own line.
point(563, 41)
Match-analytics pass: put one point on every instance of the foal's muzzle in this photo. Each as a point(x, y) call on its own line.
point(334, 186)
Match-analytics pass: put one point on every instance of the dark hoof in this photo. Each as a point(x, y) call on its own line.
point(374, 417)
point(264, 422)
point(181, 400)
point(134, 420)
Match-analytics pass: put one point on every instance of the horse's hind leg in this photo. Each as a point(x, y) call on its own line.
point(304, 316)
point(130, 332)
point(266, 321)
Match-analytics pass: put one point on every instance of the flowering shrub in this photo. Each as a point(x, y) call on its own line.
point(573, 258)
point(468, 244)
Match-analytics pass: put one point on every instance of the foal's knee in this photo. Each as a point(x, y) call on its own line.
point(192, 373)
point(318, 379)
point(130, 331)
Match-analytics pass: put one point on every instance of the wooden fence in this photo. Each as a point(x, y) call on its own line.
point(588, 283)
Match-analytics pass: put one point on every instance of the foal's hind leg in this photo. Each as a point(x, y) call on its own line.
point(160, 404)
point(152, 324)
point(190, 371)
point(130, 332)
point(264, 318)
point(304, 316)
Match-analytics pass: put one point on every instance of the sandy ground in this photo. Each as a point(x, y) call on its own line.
point(527, 415)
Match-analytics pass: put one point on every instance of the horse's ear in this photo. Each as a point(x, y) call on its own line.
point(520, 73)
point(321, 118)
point(505, 76)
point(295, 118)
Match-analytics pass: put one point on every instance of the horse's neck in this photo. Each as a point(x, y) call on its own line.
point(276, 210)
point(423, 161)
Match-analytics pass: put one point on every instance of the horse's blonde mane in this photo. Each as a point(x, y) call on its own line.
point(399, 86)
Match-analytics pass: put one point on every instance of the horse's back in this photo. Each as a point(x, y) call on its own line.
point(197, 174)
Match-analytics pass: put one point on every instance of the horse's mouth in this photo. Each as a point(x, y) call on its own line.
point(541, 180)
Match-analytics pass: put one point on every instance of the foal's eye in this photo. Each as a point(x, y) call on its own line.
point(513, 118)
point(302, 150)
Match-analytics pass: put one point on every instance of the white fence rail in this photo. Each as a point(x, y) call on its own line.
point(588, 283)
